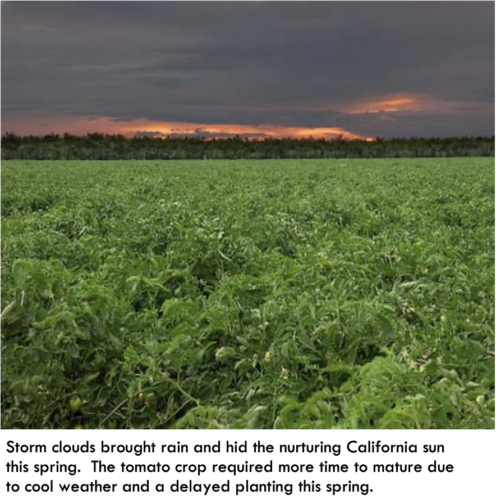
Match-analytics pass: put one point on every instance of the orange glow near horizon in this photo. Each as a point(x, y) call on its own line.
point(386, 106)
point(250, 131)
point(391, 104)
point(106, 125)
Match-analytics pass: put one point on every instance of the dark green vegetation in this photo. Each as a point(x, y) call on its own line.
point(115, 147)
point(248, 294)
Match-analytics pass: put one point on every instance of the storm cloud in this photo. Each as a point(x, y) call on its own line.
point(371, 68)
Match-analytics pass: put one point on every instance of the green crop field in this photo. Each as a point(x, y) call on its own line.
point(262, 294)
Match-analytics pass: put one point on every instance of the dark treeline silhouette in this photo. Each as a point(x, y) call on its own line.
point(118, 147)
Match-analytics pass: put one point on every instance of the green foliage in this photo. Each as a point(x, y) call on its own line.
point(295, 294)
point(118, 147)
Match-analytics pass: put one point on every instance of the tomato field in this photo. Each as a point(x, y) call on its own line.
point(248, 294)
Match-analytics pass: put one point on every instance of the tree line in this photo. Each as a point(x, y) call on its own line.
point(118, 147)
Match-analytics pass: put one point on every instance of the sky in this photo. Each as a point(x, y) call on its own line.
point(255, 69)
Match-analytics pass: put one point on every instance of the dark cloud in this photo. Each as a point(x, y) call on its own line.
point(288, 63)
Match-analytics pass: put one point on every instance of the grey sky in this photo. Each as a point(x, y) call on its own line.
point(304, 64)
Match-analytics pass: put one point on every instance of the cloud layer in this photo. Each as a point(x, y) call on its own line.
point(373, 69)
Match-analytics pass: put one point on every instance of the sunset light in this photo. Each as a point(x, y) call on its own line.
point(391, 104)
point(165, 129)
point(174, 129)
